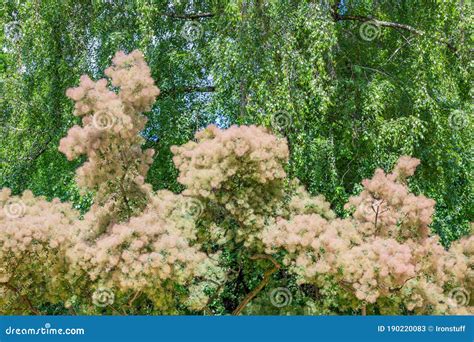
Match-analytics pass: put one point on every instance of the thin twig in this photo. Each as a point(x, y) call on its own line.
point(134, 298)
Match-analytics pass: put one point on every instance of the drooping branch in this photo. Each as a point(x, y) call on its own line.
point(381, 23)
point(190, 16)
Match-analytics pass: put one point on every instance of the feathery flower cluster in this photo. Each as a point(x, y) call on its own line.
point(383, 251)
point(459, 264)
point(144, 252)
point(133, 76)
point(110, 139)
point(303, 203)
point(386, 208)
point(211, 277)
point(33, 236)
point(435, 269)
point(131, 239)
point(30, 224)
point(239, 169)
point(137, 241)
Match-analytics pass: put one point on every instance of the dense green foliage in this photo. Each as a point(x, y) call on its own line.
point(347, 103)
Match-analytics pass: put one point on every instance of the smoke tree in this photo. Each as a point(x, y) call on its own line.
point(141, 251)
point(131, 240)
point(382, 256)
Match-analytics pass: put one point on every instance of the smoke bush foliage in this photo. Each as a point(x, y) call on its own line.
point(140, 251)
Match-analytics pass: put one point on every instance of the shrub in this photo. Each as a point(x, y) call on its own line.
point(140, 251)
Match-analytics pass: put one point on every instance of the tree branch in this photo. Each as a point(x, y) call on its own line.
point(190, 16)
point(263, 283)
point(23, 297)
point(192, 89)
point(138, 293)
point(380, 23)
point(337, 17)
